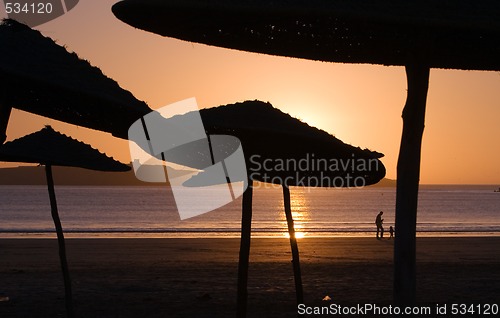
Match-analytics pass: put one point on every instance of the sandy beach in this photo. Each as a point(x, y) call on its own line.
point(197, 277)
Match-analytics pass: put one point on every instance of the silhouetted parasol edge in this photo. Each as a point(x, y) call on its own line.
point(41, 77)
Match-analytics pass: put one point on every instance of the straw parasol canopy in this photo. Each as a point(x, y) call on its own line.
point(464, 34)
point(281, 149)
point(417, 34)
point(48, 147)
point(41, 77)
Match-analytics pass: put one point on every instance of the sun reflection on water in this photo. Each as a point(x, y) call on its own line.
point(300, 212)
point(298, 235)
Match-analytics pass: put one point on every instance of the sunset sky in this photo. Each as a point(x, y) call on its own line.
point(359, 104)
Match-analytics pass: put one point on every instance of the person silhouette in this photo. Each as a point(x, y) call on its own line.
point(391, 232)
point(380, 229)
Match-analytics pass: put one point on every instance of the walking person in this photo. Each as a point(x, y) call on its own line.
point(380, 229)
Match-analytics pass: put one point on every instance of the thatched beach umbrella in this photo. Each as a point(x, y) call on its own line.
point(269, 135)
point(41, 77)
point(51, 148)
point(417, 34)
point(278, 149)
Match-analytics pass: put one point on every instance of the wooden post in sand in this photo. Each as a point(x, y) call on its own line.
point(408, 174)
point(246, 233)
point(294, 246)
point(60, 241)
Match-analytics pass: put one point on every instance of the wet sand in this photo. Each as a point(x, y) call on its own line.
point(197, 277)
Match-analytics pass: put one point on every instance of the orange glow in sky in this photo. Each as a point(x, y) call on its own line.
point(359, 104)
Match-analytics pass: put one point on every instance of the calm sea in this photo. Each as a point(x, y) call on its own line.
point(151, 212)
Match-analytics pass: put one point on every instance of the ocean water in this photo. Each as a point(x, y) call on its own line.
point(151, 212)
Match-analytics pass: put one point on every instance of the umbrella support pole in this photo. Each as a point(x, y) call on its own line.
point(294, 246)
point(4, 120)
point(60, 241)
point(246, 232)
point(408, 174)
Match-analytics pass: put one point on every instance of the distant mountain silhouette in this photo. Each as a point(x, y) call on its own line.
point(35, 175)
point(385, 182)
